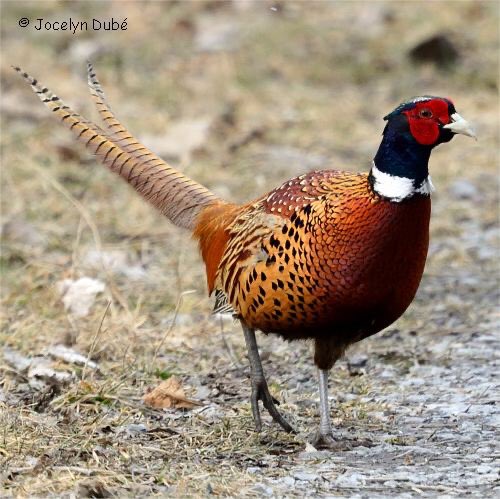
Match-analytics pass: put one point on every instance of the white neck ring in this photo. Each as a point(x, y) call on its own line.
point(395, 188)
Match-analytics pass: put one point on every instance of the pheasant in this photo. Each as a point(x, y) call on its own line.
point(331, 256)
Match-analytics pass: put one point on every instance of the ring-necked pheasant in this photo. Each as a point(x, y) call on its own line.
point(330, 256)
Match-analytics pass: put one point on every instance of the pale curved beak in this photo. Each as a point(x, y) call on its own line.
point(459, 125)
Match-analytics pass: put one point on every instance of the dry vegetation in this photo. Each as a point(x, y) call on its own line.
point(241, 97)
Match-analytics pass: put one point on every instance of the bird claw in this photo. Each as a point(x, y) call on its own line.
point(326, 441)
point(260, 391)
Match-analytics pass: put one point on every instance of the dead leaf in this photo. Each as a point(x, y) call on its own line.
point(169, 394)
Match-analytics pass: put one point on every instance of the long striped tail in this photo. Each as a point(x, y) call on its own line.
point(177, 196)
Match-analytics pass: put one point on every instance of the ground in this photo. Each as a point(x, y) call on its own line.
point(240, 96)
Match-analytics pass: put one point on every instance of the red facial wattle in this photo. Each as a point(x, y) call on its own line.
point(425, 118)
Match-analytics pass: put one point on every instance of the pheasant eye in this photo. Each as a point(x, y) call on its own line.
point(425, 113)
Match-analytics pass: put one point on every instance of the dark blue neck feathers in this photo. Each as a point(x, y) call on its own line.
point(400, 154)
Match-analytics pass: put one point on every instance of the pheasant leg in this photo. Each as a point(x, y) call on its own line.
point(260, 390)
point(324, 437)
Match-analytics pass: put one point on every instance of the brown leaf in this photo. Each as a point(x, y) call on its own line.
point(169, 393)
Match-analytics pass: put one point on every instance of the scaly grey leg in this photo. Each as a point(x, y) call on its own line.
point(260, 390)
point(325, 425)
point(324, 437)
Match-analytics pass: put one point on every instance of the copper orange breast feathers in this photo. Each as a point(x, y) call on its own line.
point(323, 252)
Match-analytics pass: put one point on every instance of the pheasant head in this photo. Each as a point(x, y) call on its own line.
point(413, 129)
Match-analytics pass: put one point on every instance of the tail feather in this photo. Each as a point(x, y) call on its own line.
point(121, 136)
point(173, 193)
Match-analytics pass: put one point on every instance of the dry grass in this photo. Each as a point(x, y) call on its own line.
point(303, 87)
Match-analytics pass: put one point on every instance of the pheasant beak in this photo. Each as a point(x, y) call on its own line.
point(459, 125)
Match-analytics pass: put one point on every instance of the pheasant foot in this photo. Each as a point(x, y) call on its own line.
point(260, 391)
point(326, 441)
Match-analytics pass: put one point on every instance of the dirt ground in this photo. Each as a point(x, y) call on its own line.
point(102, 299)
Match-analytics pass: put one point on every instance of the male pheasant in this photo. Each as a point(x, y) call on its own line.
point(330, 256)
